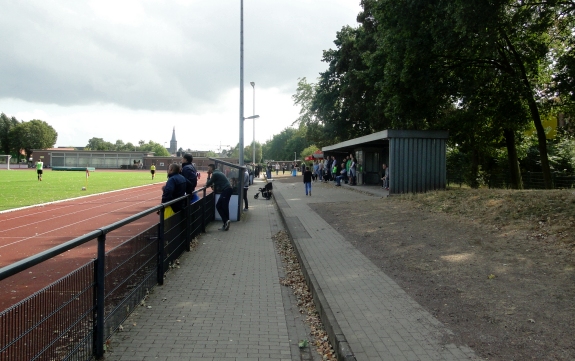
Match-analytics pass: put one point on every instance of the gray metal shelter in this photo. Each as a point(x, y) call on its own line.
point(416, 158)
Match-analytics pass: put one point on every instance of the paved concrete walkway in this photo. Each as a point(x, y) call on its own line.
point(225, 301)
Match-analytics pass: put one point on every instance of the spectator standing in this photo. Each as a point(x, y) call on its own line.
point(284, 169)
point(352, 170)
point(251, 173)
point(307, 180)
point(190, 173)
point(176, 187)
point(277, 168)
point(39, 169)
point(222, 186)
point(347, 161)
point(153, 170)
point(269, 170)
point(385, 177)
point(326, 169)
point(246, 187)
point(333, 173)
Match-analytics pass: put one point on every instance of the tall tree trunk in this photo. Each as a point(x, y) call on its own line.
point(516, 182)
point(541, 143)
point(535, 116)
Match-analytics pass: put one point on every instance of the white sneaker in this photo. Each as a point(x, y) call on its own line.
point(227, 225)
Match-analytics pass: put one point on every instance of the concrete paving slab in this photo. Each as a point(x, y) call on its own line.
point(377, 318)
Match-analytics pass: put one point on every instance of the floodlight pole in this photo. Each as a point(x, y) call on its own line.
point(241, 145)
point(253, 84)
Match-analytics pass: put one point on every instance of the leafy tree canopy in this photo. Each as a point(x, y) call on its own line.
point(35, 134)
point(151, 146)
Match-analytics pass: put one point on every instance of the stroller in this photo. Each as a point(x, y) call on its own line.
point(265, 191)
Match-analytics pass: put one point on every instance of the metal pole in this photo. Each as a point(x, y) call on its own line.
point(254, 113)
point(100, 296)
point(160, 250)
point(241, 145)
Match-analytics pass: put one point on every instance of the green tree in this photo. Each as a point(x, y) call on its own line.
point(306, 152)
point(158, 149)
point(431, 51)
point(99, 144)
point(120, 145)
point(129, 147)
point(35, 134)
point(283, 146)
point(248, 153)
point(7, 144)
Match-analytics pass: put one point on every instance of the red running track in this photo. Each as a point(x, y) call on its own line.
point(29, 231)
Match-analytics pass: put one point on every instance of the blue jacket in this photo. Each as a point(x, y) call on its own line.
point(190, 173)
point(175, 187)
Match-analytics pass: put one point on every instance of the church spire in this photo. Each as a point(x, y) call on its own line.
point(173, 143)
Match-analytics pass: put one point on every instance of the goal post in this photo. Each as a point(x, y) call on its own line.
point(4, 158)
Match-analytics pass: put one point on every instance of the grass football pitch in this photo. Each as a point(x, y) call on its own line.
point(20, 188)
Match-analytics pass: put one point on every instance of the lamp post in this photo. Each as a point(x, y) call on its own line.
point(241, 144)
point(254, 126)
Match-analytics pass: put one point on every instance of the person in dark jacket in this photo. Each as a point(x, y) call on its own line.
point(222, 186)
point(176, 186)
point(307, 179)
point(190, 173)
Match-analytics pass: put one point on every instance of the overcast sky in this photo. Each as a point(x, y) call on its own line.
point(134, 69)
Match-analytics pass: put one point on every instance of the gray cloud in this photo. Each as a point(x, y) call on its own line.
point(175, 56)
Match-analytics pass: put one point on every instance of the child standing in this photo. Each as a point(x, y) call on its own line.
point(307, 180)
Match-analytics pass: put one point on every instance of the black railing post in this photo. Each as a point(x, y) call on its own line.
point(160, 274)
point(100, 295)
point(188, 220)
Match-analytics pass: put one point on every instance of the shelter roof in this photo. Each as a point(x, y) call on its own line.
point(381, 139)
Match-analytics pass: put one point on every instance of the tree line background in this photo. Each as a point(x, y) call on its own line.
point(17, 135)
point(489, 72)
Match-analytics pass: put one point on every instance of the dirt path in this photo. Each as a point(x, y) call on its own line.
point(505, 292)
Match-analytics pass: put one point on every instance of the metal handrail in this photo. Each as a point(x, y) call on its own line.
point(98, 306)
point(31, 261)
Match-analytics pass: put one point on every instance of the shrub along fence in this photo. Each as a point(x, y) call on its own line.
point(72, 318)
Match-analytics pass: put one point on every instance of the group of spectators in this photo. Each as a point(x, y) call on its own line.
point(331, 170)
point(182, 180)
